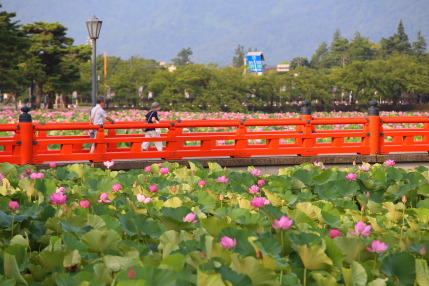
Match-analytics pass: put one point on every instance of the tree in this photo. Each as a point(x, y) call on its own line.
point(183, 57)
point(13, 46)
point(339, 49)
point(360, 49)
point(49, 46)
point(320, 58)
point(299, 62)
point(396, 44)
point(238, 59)
point(419, 46)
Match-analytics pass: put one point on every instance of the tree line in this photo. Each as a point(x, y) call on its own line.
point(39, 59)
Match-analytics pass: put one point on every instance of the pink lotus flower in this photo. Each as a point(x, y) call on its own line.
point(153, 188)
point(222, 179)
point(377, 246)
point(422, 251)
point(361, 229)
point(164, 170)
point(58, 198)
point(190, 217)
point(351, 177)
point(141, 198)
point(364, 168)
point(255, 172)
point(109, 164)
point(104, 198)
point(284, 223)
point(390, 163)
point(259, 202)
point(253, 189)
point(228, 242)
point(37, 175)
point(52, 164)
point(1, 176)
point(148, 169)
point(60, 190)
point(201, 183)
point(116, 187)
point(261, 183)
point(13, 205)
point(84, 204)
point(333, 233)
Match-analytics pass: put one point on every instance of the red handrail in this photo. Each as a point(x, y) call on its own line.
point(33, 143)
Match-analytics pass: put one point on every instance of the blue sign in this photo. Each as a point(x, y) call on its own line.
point(254, 63)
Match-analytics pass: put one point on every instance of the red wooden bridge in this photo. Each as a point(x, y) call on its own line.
point(305, 136)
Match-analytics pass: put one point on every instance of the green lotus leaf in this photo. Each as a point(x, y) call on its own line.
point(101, 272)
point(423, 204)
point(204, 200)
point(314, 258)
point(119, 263)
point(395, 174)
point(72, 258)
point(20, 240)
point(422, 272)
point(379, 176)
point(334, 252)
point(100, 240)
point(331, 216)
point(72, 242)
point(64, 174)
point(19, 251)
point(182, 173)
point(299, 217)
point(209, 279)
point(423, 189)
point(151, 275)
point(214, 167)
point(134, 282)
point(51, 259)
point(327, 192)
point(80, 278)
point(355, 275)
point(326, 176)
point(268, 246)
point(28, 185)
point(305, 176)
point(79, 169)
point(350, 246)
point(323, 280)
point(7, 282)
point(68, 226)
point(174, 261)
point(8, 168)
point(235, 278)
point(134, 224)
point(311, 210)
point(194, 165)
point(11, 269)
point(378, 282)
point(252, 268)
point(214, 225)
point(402, 266)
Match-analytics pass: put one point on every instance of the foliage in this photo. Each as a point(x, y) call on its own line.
point(124, 241)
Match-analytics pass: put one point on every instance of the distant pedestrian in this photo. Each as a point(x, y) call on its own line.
point(351, 97)
point(97, 116)
point(151, 118)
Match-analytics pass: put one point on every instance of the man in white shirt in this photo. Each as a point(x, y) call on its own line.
point(97, 116)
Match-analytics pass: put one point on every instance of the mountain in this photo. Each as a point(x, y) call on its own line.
point(281, 29)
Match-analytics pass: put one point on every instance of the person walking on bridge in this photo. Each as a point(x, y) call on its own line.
point(97, 116)
point(151, 118)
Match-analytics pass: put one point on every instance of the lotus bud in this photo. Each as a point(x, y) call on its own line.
point(367, 194)
point(230, 195)
point(404, 199)
point(221, 197)
point(135, 184)
point(422, 251)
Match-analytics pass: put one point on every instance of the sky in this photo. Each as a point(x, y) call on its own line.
point(281, 29)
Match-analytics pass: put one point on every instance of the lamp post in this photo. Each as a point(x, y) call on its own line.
point(94, 27)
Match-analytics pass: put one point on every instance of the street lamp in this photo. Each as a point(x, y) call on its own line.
point(94, 27)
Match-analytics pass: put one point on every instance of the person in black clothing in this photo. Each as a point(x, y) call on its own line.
point(152, 117)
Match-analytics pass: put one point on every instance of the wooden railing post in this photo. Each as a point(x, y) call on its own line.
point(26, 136)
point(308, 128)
point(375, 129)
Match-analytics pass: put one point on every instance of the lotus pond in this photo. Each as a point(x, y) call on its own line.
point(168, 224)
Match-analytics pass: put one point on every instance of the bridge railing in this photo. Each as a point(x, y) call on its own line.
point(35, 143)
